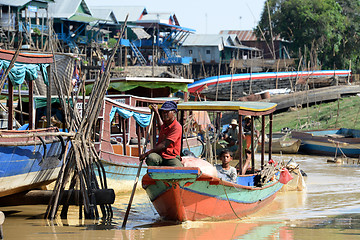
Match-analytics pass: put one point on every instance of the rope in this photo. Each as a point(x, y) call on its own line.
point(221, 182)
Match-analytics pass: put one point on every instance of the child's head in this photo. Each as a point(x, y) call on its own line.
point(226, 156)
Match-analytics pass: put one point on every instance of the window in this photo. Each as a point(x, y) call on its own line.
point(190, 52)
point(207, 51)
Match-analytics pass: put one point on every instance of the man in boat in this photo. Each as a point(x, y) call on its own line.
point(232, 133)
point(225, 171)
point(167, 150)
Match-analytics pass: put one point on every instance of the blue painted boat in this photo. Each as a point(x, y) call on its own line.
point(330, 142)
point(29, 159)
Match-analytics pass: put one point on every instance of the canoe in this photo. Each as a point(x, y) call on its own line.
point(281, 145)
point(330, 142)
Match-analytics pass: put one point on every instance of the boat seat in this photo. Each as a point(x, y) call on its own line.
point(335, 135)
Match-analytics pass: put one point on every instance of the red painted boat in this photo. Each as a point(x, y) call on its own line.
point(194, 192)
point(183, 194)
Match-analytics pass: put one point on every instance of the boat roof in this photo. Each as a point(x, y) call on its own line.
point(244, 108)
point(144, 110)
point(26, 57)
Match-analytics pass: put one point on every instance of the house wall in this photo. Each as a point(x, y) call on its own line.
point(208, 54)
point(278, 45)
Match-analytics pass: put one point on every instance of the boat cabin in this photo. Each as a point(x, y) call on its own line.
point(263, 110)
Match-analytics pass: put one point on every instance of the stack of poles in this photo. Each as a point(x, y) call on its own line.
point(78, 168)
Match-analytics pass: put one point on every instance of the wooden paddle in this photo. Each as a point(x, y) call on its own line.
point(138, 173)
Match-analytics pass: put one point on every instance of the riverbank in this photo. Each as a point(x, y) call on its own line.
point(344, 112)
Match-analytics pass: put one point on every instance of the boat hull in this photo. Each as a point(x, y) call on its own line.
point(121, 171)
point(205, 198)
point(26, 167)
point(334, 142)
point(282, 146)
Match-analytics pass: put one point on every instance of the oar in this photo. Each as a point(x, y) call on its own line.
point(138, 173)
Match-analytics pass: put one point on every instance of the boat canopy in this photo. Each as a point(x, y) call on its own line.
point(20, 71)
point(129, 83)
point(142, 115)
point(249, 108)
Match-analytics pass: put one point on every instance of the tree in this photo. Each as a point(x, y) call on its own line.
point(316, 25)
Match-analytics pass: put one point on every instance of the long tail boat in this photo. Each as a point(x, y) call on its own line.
point(29, 158)
point(194, 192)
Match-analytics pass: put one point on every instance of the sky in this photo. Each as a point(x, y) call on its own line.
point(204, 16)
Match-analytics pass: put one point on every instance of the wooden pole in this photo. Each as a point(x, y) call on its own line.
point(240, 139)
point(10, 105)
point(270, 135)
point(31, 105)
point(262, 141)
point(138, 172)
point(252, 145)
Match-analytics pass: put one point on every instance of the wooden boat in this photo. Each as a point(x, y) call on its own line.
point(281, 145)
point(194, 192)
point(256, 82)
point(29, 158)
point(121, 129)
point(330, 142)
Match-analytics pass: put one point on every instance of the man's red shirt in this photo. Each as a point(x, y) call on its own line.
point(173, 133)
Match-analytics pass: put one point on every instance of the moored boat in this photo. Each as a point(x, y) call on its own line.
point(330, 142)
point(121, 134)
point(29, 158)
point(194, 192)
point(282, 145)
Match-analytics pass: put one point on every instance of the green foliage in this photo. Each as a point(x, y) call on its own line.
point(37, 31)
point(326, 31)
point(111, 43)
point(345, 113)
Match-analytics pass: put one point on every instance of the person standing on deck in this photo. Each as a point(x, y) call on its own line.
point(167, 150)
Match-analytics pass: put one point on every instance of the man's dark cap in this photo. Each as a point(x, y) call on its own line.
point(169, 106)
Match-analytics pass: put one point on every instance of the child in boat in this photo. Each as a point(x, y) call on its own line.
point(225, 171)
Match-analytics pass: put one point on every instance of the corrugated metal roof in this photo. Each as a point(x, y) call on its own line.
point(166, 18)
point(104, 14)
point(140, 33)
point(120, 12)
point(14, 3)
point(245, 35)
point(203, 40)
point(82, 18)
point(63, 8)
point(227, 40)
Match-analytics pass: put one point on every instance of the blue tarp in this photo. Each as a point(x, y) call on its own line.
point(142, 119)
point(20, 71)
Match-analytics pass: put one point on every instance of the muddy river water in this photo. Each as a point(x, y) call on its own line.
point(328, 209)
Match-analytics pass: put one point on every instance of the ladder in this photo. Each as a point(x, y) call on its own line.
point(3, 37)
point(138, 54)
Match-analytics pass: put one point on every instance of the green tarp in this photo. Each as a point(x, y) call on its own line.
point(126, 86)
point(21, 71)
